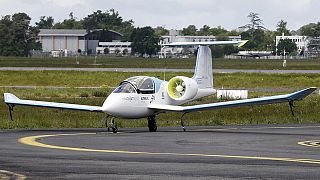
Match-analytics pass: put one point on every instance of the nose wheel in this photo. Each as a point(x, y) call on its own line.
point(111, 126)
point(152, 124)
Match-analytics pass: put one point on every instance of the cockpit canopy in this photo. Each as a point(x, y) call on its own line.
point(137, 84)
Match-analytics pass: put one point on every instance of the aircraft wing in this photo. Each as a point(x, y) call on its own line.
point(11, 99)
point(299, 95)
point(239, 43)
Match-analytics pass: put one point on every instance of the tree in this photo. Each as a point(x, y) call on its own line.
point(217, 51)
point(204, 31)
point(109, 20)
point(255, 33)
point(286, 45)
point(282, 29)
point(71, 23)
point(191, 30)
point(17, 37)
point(218, 31)
point(312, 30)
point(144, 41)
point(254, 23)
point(45, 22)
point(161, 31)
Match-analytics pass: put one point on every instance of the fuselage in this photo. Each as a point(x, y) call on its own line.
point(133, 96)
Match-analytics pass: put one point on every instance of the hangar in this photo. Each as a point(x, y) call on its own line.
point(73, 41)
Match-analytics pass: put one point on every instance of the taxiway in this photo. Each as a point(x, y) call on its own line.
point(230, 152)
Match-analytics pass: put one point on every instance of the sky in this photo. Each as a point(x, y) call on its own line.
point(176, 14)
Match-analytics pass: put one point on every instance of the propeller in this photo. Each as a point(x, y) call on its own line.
point(178, 88)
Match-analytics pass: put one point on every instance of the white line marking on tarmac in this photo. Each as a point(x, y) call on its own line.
point(11, 175)
point(32, 141)
point(311, 143)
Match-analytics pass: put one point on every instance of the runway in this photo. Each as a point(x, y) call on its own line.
point(224, 152)
point(273, 71)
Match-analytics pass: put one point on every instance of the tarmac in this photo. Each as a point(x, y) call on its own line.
point(222, 152)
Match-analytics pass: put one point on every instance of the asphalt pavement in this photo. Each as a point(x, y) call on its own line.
point(224, 152)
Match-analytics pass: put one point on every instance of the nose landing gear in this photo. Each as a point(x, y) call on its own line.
point(152, 124)
point(111, 125)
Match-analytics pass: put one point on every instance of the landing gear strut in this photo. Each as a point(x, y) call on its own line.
point(152, 123)
point(111, 125)
point(182, 124)
point(10, 106)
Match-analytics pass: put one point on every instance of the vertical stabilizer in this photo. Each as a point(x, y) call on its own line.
point(203, 70)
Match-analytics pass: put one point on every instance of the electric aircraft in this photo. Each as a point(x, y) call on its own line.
point(142, 96)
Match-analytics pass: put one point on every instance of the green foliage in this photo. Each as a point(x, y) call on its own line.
point(45, 22)
point(144, 41)
point(161, 31)
point(312, 29)
point(288, 46)
point(109, 20)
point(71, 23)
point(254, 22)
point(17, 37)
point(282, 28)
point(191, 30)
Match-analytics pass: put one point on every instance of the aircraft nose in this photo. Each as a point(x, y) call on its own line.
point(110, 105)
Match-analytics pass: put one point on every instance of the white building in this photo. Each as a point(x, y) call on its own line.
point(115, 47)
point(175, 36)
point(301, 41)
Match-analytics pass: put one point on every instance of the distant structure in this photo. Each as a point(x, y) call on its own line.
point(175, 36)
point(301, 42)
point(115, 47)
point(73, 41)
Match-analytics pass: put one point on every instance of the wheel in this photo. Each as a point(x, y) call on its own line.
point(152, 124)
point(114, 129)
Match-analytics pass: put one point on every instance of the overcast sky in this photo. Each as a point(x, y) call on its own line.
point(176, 14)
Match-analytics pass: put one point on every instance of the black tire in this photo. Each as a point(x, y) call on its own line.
point(115, 129)
point(152, 124)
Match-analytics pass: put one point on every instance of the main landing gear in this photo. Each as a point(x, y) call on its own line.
point(152, 124)
point(111, 125)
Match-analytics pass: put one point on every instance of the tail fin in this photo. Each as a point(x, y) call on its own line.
point(203, 70)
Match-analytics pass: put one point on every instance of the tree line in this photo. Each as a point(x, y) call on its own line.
point(18, 36)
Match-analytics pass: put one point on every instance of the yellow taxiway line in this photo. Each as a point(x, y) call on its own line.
point(32, 141)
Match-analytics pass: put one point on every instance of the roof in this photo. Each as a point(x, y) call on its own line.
point(62, 32)
point(69, 32)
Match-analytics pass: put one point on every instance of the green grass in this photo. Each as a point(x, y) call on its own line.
point(132, 62)
point(307, 111)
point(30, 117)
point(112, 79)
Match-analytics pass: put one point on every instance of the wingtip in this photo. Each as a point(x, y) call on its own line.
point(8, 98)
point(242, 43)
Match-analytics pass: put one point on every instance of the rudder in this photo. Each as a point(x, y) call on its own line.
point(203, 70)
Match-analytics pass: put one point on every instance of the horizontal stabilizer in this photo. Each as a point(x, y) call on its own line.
point(299, 95)
point(11, 99)
point(238, 43)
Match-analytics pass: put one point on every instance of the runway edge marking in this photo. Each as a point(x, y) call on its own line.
point(32, 141)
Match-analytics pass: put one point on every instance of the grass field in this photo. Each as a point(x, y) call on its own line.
point(307, 111)
point(112, 79)
point(127, 62)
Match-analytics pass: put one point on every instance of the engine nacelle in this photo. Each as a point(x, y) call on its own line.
point(182, 88)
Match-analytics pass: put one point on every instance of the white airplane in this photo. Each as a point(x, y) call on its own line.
point(142, 96)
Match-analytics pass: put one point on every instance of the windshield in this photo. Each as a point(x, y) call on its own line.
point(137, 84)
point(143, 83)
point(125, 87)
